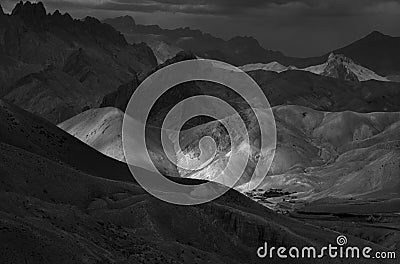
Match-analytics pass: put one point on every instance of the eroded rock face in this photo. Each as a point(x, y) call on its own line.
point(51, 94)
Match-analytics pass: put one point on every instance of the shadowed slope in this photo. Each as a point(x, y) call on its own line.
point(51, 212)
point(99, 128)
point(34, 134)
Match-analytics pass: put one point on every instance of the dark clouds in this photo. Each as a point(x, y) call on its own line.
point(296, 27)
point(229, 7)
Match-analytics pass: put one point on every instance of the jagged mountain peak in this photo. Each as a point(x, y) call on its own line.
point(62, 19)
point(29, 11)
point(338, 66)
point(57, 13)
point(34, 15)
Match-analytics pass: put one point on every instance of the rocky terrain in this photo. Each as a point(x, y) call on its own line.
point(329, 162)
point(55, 66)
point(54, 210)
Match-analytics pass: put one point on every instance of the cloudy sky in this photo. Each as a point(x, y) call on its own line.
point(296, 27)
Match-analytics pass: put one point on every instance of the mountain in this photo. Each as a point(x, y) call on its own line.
point(52, 212)
point(341, 67)
point(99, 128)
point(45, 52)
point(376, 51)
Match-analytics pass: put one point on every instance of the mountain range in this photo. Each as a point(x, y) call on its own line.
point(67, 195)
point(376, 51)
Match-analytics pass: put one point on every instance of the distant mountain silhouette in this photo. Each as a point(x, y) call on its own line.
point(121, 23)
point(376, 51)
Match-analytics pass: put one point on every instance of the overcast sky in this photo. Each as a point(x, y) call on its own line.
point(297, 28)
